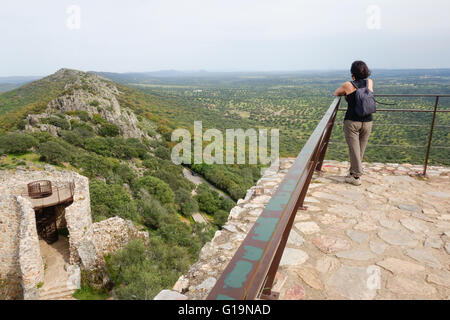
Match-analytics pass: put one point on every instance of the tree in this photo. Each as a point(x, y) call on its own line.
point(17, 143)
point(158, 188)
point(163, 153)
point(98, 145)
point(72, 137)
point(187, 205)
point(151, 210)
point(54, 152)
point(57, 122)
point(109, 200)
point(221, 217)
point(109, 130)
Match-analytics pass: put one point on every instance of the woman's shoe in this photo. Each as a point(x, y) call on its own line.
point(352, 180)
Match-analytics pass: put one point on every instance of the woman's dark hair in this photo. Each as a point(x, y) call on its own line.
point(360, 70)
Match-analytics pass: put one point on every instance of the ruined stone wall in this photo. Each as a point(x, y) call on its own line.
point(79, 223)
point(30, 259)
point(114, 233)
point(21, 267)
point(10, 287)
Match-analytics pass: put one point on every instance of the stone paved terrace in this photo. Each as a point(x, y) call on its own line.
point(386, 239)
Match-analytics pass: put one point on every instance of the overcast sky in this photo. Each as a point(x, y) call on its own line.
point(39, 37)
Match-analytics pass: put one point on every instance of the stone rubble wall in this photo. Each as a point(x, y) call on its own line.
point(115, 233)
point(10, 287)
point(30, 259)
point(80, 226)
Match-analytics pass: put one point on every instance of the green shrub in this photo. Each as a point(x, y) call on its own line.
point(42, 136)
point(87, 292)
point(140, 148)
point(21, 124)
point(98, 145)
point(57, 122)
point(94, 103)
point(163, 153)
point(126, 174)
point(17, 143)
point(97, 119)
point(72, 137)
point(84, 133)
point(207, 201)
point(111, 200)
point(151, 211)
point(120, 149)
point(183, 198)
point(83, 115)
point(221, 217)
point(210, 202)
point(140, 272)
point(81, 125)
point(173, 177)
point(151, 164)
point(158, 188)
point(235, 180)
point(94, 165)
point(109, 130)
point(55, 152)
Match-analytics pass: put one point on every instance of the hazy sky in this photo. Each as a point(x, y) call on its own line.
point(39, 37)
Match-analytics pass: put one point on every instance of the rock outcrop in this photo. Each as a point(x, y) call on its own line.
point(115, 233)
point(92, 94)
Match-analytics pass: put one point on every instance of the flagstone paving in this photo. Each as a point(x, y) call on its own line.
point(386, 239)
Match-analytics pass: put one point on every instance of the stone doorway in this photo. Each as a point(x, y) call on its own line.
point(55, 252)
point(51, 223)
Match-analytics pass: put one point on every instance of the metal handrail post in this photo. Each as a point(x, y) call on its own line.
point(430, 137)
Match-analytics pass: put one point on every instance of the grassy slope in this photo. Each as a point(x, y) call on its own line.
point(29, 98)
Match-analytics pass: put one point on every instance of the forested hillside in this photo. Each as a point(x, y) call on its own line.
point(73, 120)
point(295, 102)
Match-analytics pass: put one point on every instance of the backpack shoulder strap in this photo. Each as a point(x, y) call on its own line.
point(354, 84)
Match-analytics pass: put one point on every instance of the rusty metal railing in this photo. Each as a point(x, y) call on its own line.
point(58, 195)
point(40, 189)
point(434, 111)
point(251, 272)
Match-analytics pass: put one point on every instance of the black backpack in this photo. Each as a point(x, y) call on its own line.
point(365, 101)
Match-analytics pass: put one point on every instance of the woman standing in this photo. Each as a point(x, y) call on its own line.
point(357, 128)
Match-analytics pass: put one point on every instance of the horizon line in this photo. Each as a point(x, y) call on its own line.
point(226, 72)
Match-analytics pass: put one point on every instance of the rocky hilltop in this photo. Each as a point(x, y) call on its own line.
point(86, 96)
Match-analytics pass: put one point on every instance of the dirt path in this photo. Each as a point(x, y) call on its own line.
point(56, 258)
